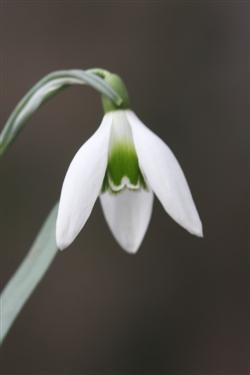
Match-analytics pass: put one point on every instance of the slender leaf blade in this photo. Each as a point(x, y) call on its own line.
point(28, 275)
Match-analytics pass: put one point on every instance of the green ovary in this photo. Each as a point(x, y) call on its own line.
point(123, 169)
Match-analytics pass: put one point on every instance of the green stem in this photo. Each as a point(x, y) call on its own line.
point(45, 89)
point(28, 275)
point(114, 81)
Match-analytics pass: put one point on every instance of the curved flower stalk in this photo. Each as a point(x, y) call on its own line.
point(123, 163)
point(45, 89)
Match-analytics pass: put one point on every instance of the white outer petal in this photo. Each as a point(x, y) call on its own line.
point(128, 214)
point(165, 176)
point(82, 184)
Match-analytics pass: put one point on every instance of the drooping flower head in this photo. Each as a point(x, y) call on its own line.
point(125, 164)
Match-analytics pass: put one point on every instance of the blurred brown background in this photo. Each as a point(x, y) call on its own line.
point(181, 305)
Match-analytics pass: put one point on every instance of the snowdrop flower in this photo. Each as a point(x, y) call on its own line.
point(124, 164)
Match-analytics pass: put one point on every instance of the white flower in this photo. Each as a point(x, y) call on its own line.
point(124, 163)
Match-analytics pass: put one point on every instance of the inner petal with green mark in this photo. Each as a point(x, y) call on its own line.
point(123, 168)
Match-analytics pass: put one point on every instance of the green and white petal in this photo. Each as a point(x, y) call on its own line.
point(128, 214)
point(82, 184)
point(164, 176)
point(123, 168)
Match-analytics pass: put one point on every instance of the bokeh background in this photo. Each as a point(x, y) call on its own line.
point(181, 305)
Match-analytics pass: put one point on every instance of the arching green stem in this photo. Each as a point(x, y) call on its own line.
point(117, 84)
point(46, 89)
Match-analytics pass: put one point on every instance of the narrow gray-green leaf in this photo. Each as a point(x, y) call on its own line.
point(45, 89)
point(28, 275)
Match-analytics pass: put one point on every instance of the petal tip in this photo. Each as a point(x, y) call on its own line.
point(197, 230)
point(61, 241)
point(61, 245)
point(130, 248)
point(200, 234)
